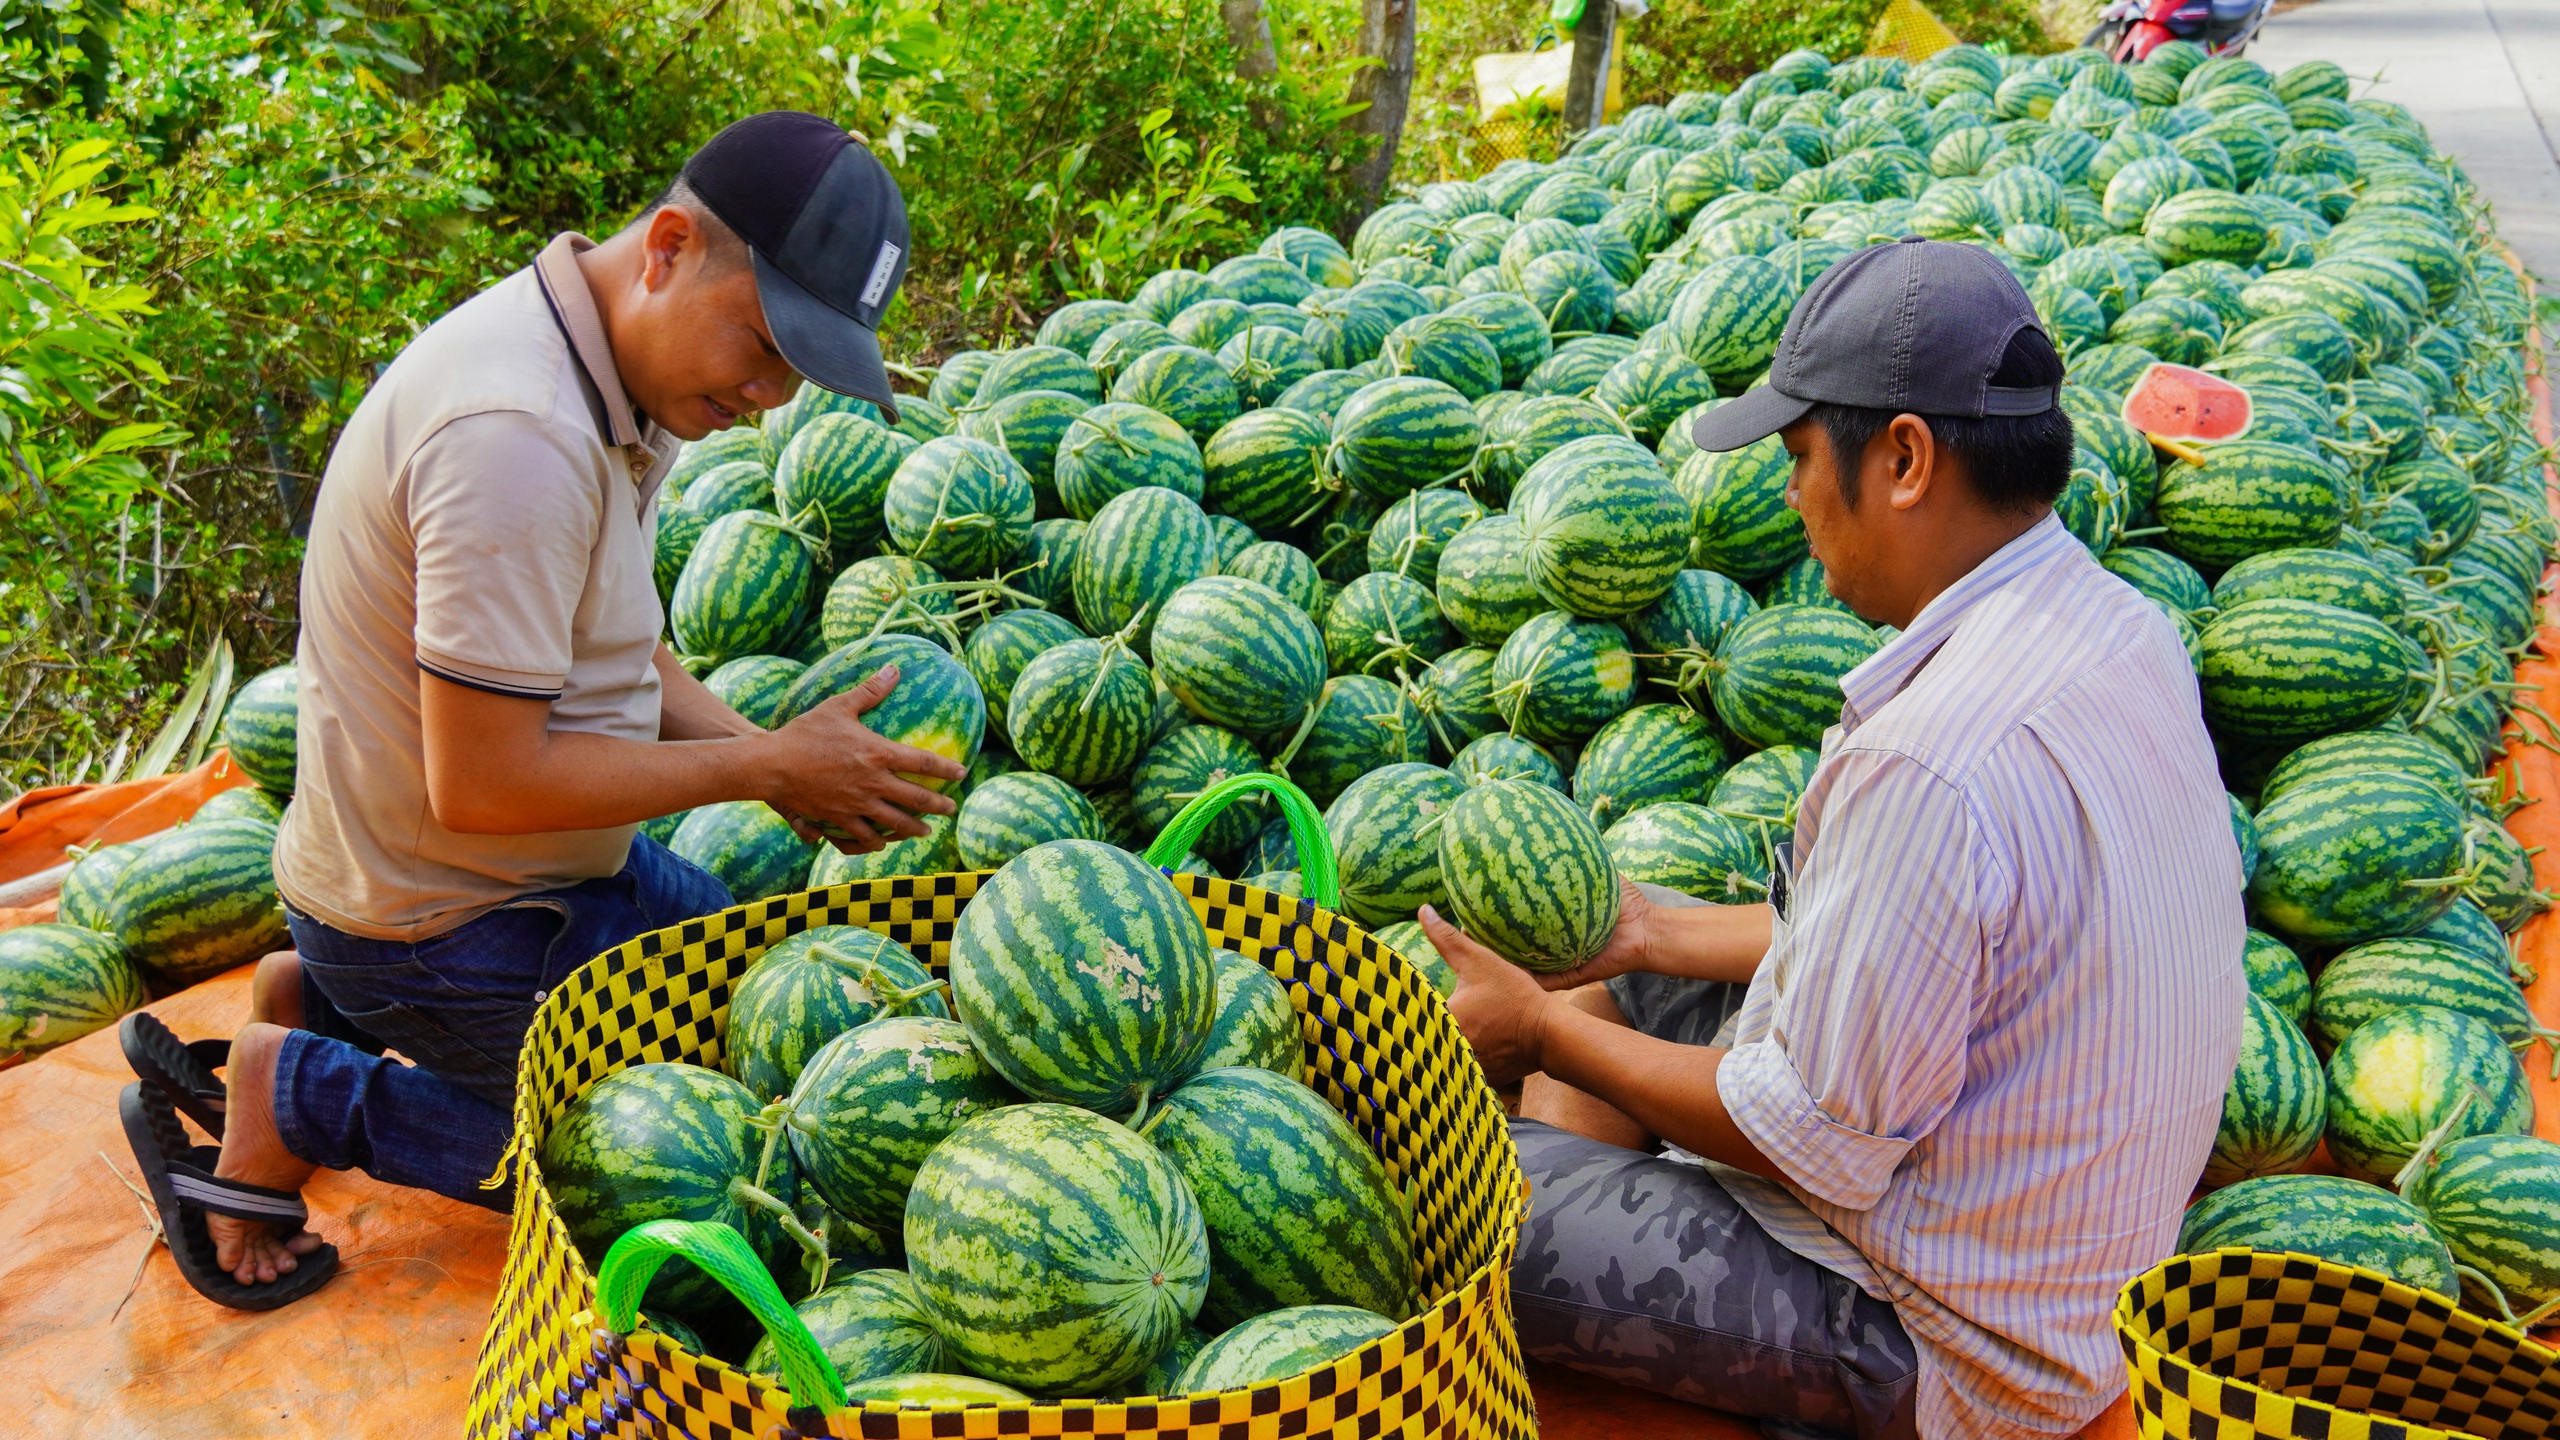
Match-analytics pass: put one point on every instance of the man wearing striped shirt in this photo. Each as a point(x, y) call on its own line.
point(1923, 1114)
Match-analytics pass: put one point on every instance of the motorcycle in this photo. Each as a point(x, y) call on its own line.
point(2128, 30)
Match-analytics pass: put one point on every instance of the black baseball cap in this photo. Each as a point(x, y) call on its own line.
point(1917, 326)
point(828, 232)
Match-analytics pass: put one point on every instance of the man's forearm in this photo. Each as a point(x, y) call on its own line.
point(580, 781)
point(1709, 942)
point(687, 710)
point(1668, 1089)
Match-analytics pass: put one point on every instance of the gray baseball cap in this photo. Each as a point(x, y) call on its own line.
point(1915, 325)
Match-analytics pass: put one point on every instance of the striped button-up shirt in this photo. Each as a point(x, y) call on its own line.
point(1989, 1045)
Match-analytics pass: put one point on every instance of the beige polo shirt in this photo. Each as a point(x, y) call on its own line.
point(488, 517)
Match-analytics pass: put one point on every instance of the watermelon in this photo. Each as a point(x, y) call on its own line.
point(2277, 672)
point(1455, 700)
point(1184, 383)
point(753, 685)
point(1118, 447)
point(1676, 636)
point(1182, 766)
point(1482, 581)
point(1577, 365)
point(1207, 323)
point(1164, 1376)
point(998, 651)
point(1260, 278)
point(1453, 351)
point(1517, 331)
point(2491, 1197)
point(1238, 654)
point(735, 445)
point(1084, 977)
point(807, 405)
point(1651, 389)
point(1299, 1210)
point(1317, 255)
point(2277, 1103)
point(747, 846)
point(1402, 433)
point(2185, 403)
point(1361, 723)
point(1266, 467)
point(1557, 680)
point(1528, 875)
point(1776, 678)
point(2343, 1221)
point(1320, 395)
point(871, 1326)
point(2399, 1076)
point(2205, 225)
point(1008, 814)
point(1526, 433)
point(2329, 577)
point(1141, 546)
point(1053, 1249)
point(2355, 752)
point(811, 988)
point(1728, 318)
point(2337, 855)
point(1763, 787)
point(1035, 367)
point(258, 729)
point(934, 1391)
point(933, 853)
point(1406, 939)
point(1075, 326)
point(1497, 756)
point(2505, 890)
point(936, 704)
point(2275, 975)
point(742, 587)
point(1126, 340)
point(1411, 534)
point(960, 505)
point(2468, 926)
point(58, 983)
point(1256, 1024)
point(1697, 851)
point(1286, 569)
point(667, 1142)
point(1386, 838)
point(2305, 335)
point(875, 1100)
point(1383, 623)
point(245, 802)
point(727, 489)
point(1604, 529)
point(1651, 753)
point(2381, 976)
point(1741, 524)
point(197, 900)
point(957, 378)
point(833, 478)
point(1028, 425)
point(2249, 496)
point(886, 592)
point(1279, 1345)
point(1082, 711)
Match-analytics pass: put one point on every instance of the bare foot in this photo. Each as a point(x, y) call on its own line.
point(275, 992)
point(254, 1251)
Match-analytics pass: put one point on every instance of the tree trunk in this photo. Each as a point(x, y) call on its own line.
point(1386, 35)
point(1586, 91)
point(1249, 31)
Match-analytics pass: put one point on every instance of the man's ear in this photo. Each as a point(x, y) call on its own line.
point(667, 244)
point(1911, 459)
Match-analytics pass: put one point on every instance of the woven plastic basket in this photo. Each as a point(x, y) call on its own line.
point(2241, 1343)
point(1380, 1047)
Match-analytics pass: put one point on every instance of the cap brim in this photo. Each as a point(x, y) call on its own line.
point(829, 348)
point(1752, 415)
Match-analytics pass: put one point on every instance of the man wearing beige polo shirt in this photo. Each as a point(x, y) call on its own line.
point(487, 712)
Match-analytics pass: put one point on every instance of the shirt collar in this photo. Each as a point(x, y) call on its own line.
point(1882, 677)
point(565, 286)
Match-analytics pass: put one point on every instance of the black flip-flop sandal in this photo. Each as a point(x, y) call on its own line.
point(182, 1183)
point(182, 1072)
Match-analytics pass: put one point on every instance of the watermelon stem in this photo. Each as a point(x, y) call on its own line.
point(1306, 727)
point(2406, 1182)
point(2497, 1294)
point(813, 1247)
point(2538, 1313)
point(1139, 1120)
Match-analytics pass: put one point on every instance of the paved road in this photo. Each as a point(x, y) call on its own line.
point(2483, 74)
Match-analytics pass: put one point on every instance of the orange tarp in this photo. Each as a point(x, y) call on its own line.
point(37, 827)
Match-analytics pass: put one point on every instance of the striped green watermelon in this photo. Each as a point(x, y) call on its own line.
point(1034, 367)
point(886, 592)
point(876, 1099)
point(2205, 224)
point(870, 1324)
point(2305, 335)
point(1082, 711)
point(1168, 293)
point(1008, 814)
point(1764, 786)
point(1279, 1345)
point(1382, 623)
point(1182, 766)
point(2381, 976)
point(1237, 654)
point(1207, 323)
point(1084, 977)
point(1116, 447)
point(933, 1391)
point(1402, 433)
point(1285, 568)
point(1075, 326)
point(1651, 389)
point(258, 729)
point(1256, 1024)
point(2248, 497)
point(920, 419)
point(1046, 569)
point(1317, 255)
point(737, 444)
point(1164, 1375)
point(2358, 752)
point(2398, 1077)
point(998, 650)
point(678, 530)
point(1361, 723)
point(2330, 577)
point(197, 900)
point(936, 704)
point(1112, 350)
point(1320, 395)
point(2505, 890)
point(1697, 851)
point(1651, 753)
point(783, 423)
point(1453, 351)
point(1386, 838)
point(667, 1142)
point(58, 983)
point(1557, 680)
point(1141, 546)
point(1266, 467)
point(1184, 383)
point(1517, 331)
point(727, 489)
point(1299, 1210)
point(1740, 521)
point(1577, 365)
point(935, 852)
point(1604, 529)
point(1528, 875)
point(2468, 926)
point(1482, 582)
point(811, 988)
point(1028, 425)
point(2279, 672)
point(1676, 636)
point(1053, 1249)
point(2275, 975)
point(956, 380)
point(742, 588)
point(1260, 278)
point(2277, 1104)
point(1406, 939)
point(833, 477)
point(1454, 696)
point(1501, 756)
point(1411, 533)
point(1807, 583)
point(245, 802)
point(2493, 1199)
point(2340, 1220)
point(747, 846)
point(960, 505)
point(2337, 856)
point(1728, 318)
point(1526, 433)
point(1776, 678)
point(753, 685)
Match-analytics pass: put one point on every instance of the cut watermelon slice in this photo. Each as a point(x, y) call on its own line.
point(2180, 402)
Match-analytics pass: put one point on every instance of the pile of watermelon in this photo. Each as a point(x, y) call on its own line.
point(1085, 1165)
point(158, 914)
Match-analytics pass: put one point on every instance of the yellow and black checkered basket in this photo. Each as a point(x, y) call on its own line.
point(1380, 1047)
point(2240, 1343)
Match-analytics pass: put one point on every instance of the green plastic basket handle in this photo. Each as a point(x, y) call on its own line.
point(1316, 874)
point(725, 1256)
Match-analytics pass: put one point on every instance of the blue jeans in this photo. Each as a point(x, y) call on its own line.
point(457, 1006)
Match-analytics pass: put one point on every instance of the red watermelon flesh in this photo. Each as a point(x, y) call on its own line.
point(2179, 402)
